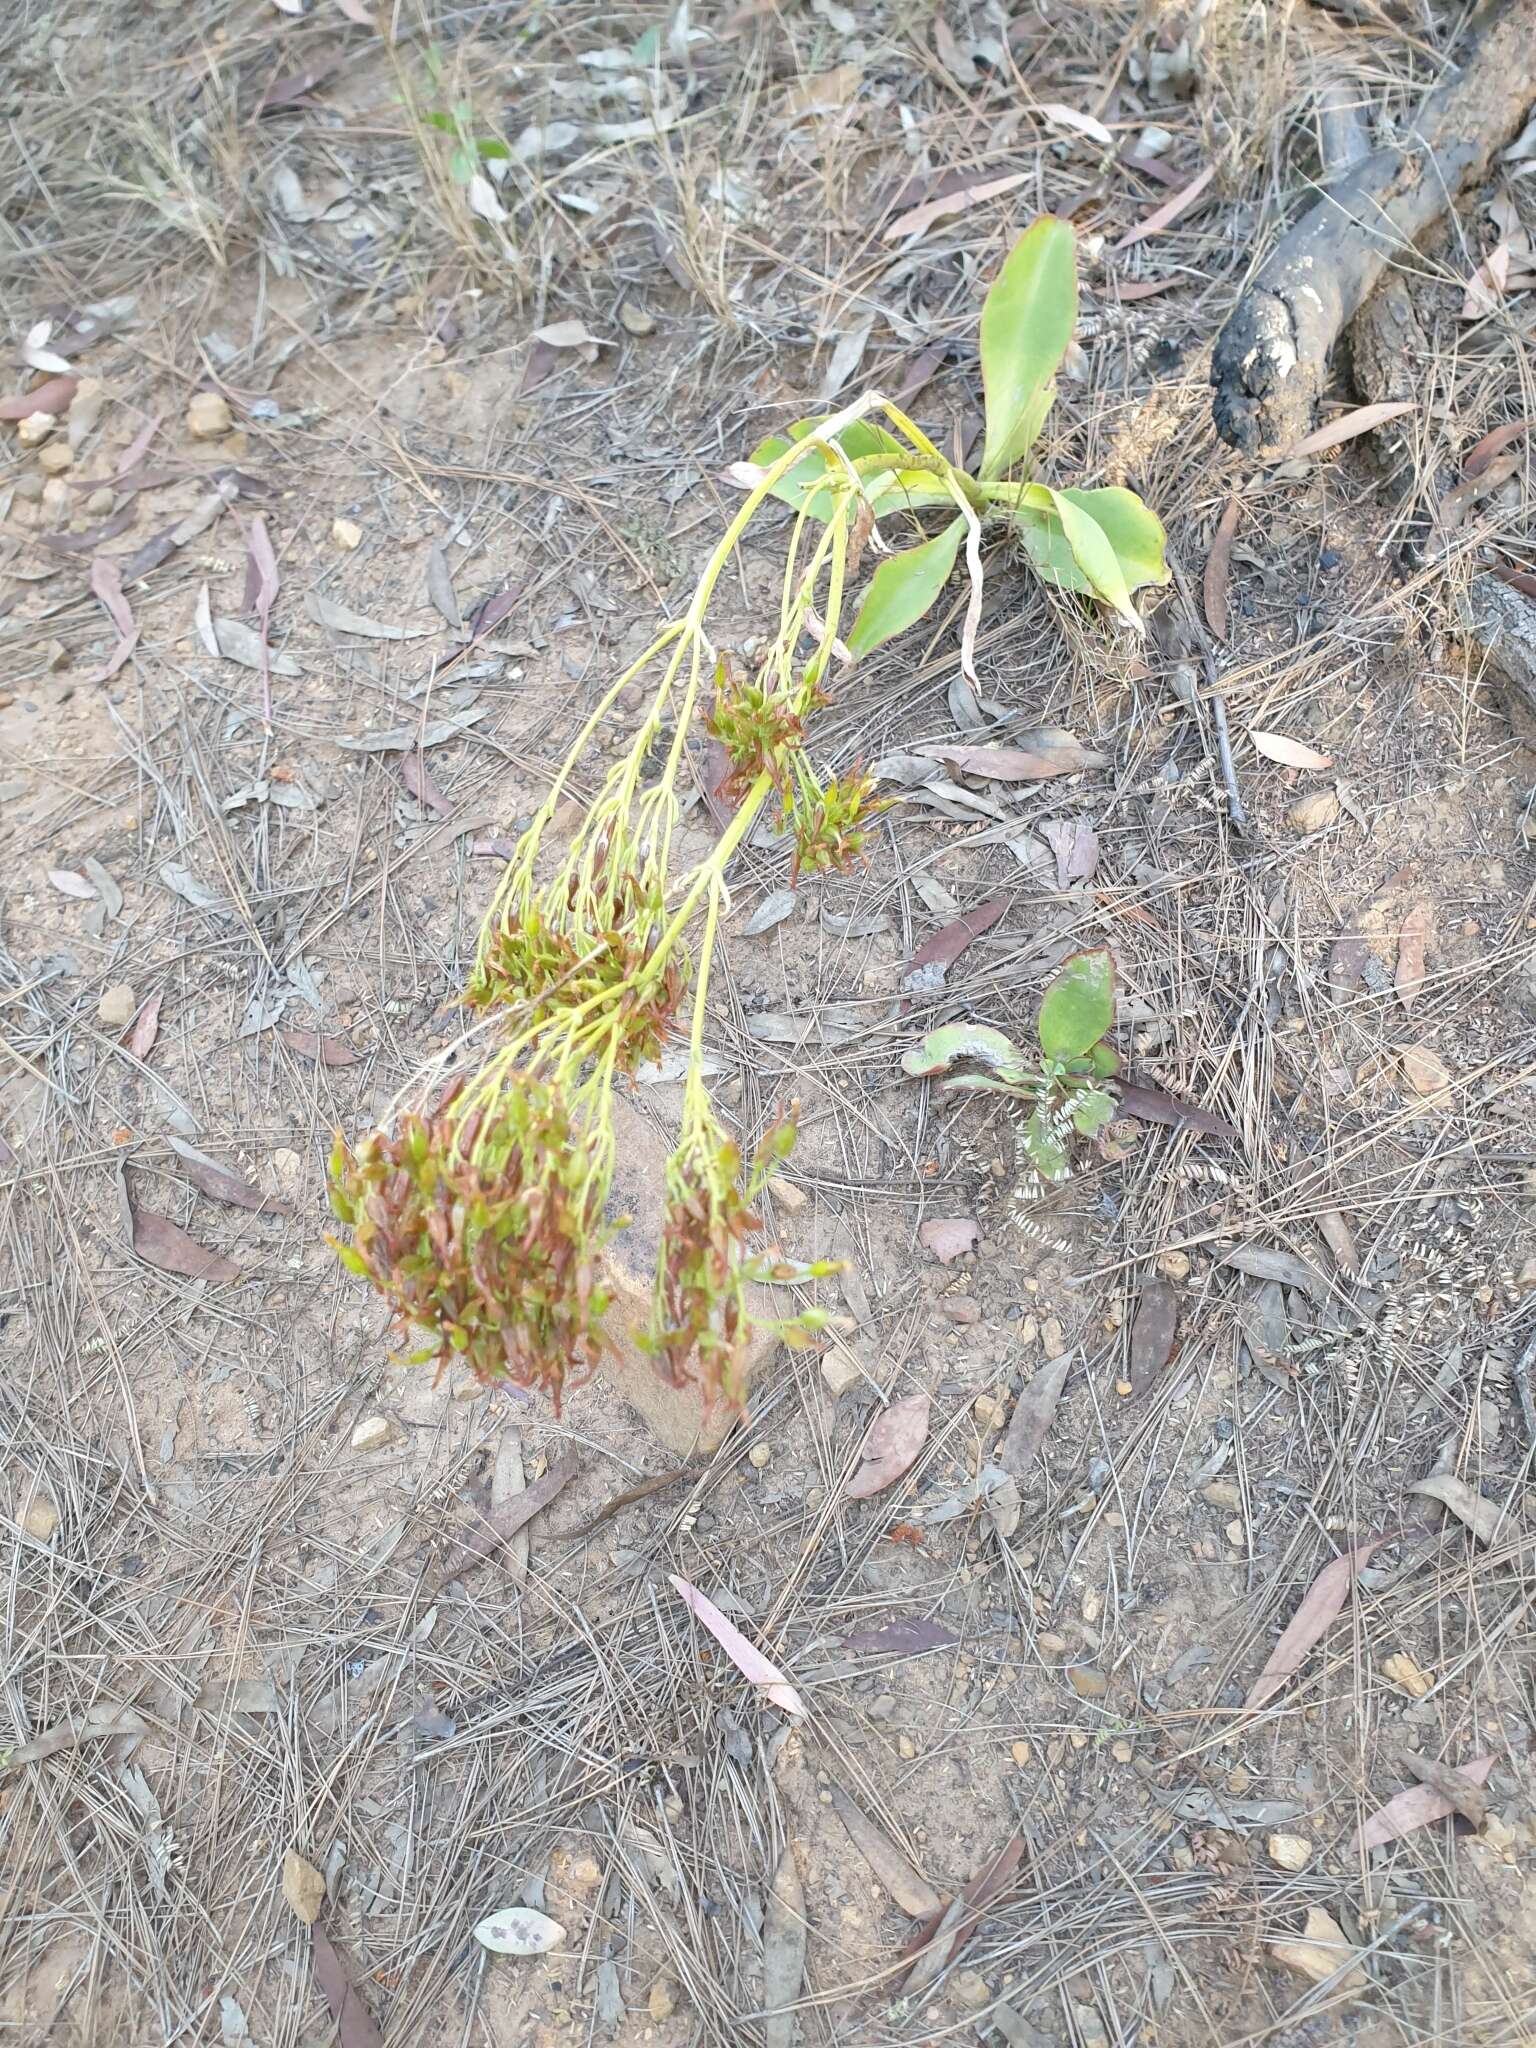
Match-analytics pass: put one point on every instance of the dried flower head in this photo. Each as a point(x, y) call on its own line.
point(485, 1231)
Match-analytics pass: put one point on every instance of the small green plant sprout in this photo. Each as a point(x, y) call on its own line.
point(475, 162)
point(483, 1216)
point(1064, 1090)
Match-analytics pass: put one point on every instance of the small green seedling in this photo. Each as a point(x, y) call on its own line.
point(1064, 1090)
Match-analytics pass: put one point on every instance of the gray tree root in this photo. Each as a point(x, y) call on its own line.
point(1271, 358)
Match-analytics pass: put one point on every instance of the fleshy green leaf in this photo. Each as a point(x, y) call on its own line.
point(1103, 1059)
point(989, 1084)
point(1046, 1152)
point(1133, 531)
point(1091, 1110)
point(803, 485)
point(1079, 1006)
point(1026, 327)
point(1094, 554)
point(903, 588)
point(940, 1049)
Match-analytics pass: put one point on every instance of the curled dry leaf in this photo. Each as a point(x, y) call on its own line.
point(1218, 568)
point(54, 395)
point(1275, 746)
point(107, 585)
point(948, 1237)
point(1453, 508)
point(937, 1944)
point(1321, 1606)
point(1363, 420)
point(911, 1891)
point(891, 1444)
point(1171, 210)
point(917, 220)
point(1482, 452)
point(1416, 1807)
point(1321, 1951)
point(1411, 942)
point(748, 1659)
point(1483, 1517)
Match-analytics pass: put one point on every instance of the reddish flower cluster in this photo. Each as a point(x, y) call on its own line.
point(493, 1252)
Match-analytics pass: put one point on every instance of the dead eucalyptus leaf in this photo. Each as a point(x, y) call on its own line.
point(1275, 746)
point(890, 1446)
point(1033, 1414)
point(326, 612)
point(1321, 1605)
point(911, 1891)
point(1483, 1517)
point(784, 1937)
point(1416, 1807)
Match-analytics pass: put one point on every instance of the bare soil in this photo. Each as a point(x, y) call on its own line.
point(239, 1615)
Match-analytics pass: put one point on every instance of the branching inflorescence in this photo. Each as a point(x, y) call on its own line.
point(483, 1217)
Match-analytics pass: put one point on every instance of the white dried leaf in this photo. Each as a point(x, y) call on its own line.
point(483, 203)
point(519, 1931)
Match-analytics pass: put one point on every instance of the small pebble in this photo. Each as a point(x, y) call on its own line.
point(759, 1456)
point(960, 1308)
point(1122, 1751)
point(55, 654)
point(662, 2002)
point(55, 457)
point(635, 319)
point(101, 502)
point(1221, 1493)
point(988, 1412)
point(35, 428)
point(116, 1009)
point(1289, 1852)
point(374, 1432)
point(1401, 1670)
point(40, 1519)
point(906, 1748)
point(1174, 1265)
point(970, 1990)
point(786, 1194)
point(347, 534)
point(1022, 1754)
point(1236, 1534)
point(1316, 812)
point(1052, 1340)
point(1088, 1683)
point(208, 416)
